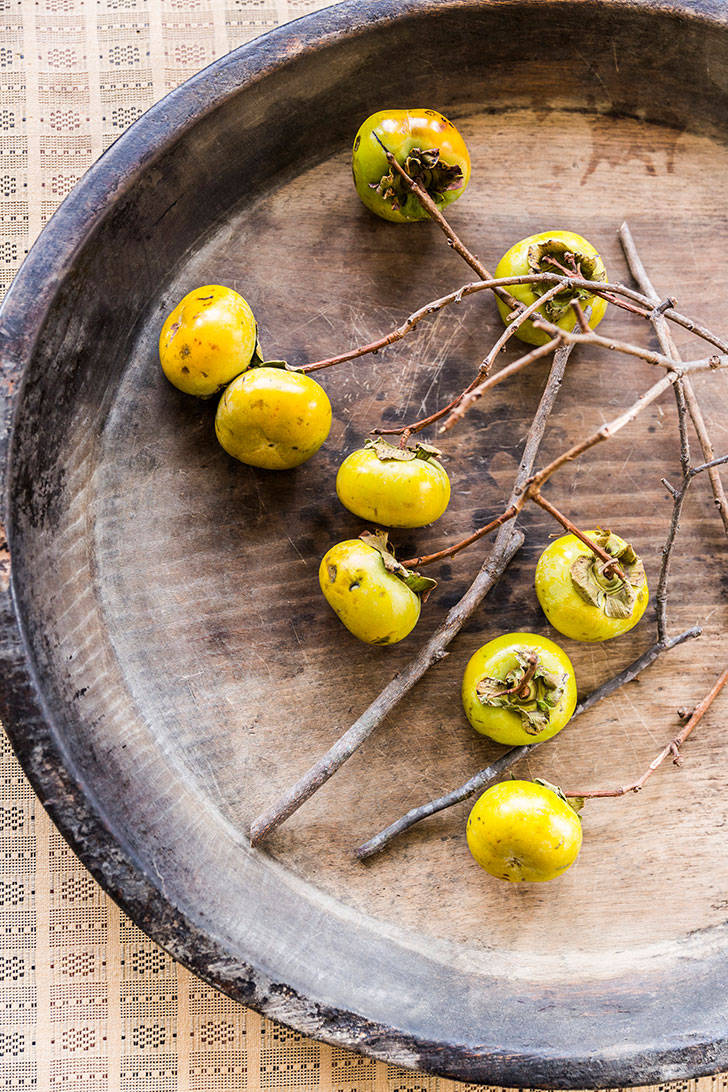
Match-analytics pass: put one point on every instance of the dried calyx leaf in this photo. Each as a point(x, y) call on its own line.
point(528, 689)
point(386, 451)
point(608, 592)
point(379, 540)
point(576, 803)
point(257, 357)
point(424, 167)
point(554, 256)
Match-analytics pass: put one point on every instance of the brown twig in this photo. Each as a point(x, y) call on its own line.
point(611, 565)
point(506, 545)
point(678, 499)
point(431, 308)
point(434, 213)
point(481, 384)
point(657, 317)
point(400, 331)
point(502, 765)
point(431, 653)
point(672, 748)
point(450, 551)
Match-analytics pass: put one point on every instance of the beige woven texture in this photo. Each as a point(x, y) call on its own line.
point(87, 1002)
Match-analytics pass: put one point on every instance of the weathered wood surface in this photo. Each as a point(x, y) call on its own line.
point(192, 670)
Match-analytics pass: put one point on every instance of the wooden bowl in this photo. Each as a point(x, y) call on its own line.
point(168, 664)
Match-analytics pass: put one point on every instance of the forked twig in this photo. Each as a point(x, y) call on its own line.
point(657, 317)
point(672, 748)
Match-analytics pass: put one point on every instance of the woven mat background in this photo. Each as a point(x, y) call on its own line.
point(87, 1002)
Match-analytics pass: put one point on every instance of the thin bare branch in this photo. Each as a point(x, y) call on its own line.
point(434, 213)
point(450, 551)
point(672, 748)
point(657, 317)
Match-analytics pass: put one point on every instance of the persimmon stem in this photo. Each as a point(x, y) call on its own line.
point(672, 748)
point(611, 565)
point(434, 213)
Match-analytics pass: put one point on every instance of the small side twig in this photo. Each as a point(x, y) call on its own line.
point(450, 551)
point(672, 748)
point(481, 383)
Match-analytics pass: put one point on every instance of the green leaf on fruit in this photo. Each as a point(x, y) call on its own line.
point(386, 451)
point(379, 541)
point(576, 803)
point(427, 451)
point(257, 357)
point(420, 584)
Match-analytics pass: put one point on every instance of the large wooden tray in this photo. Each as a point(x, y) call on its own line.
point(168, 664)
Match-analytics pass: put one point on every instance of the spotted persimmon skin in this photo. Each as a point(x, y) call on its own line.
point(207, 340)
point(375, 605)
point(521, 831)
point(402, 132)
point(273, 418)
point(391, 493)
point(515, 263)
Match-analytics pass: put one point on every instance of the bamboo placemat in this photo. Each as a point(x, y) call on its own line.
point(87, 1001)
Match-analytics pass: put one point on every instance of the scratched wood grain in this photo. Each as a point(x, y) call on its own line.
point(200, 670)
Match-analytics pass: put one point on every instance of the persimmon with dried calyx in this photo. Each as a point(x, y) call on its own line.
point(430, 149)
point(208, 339)
point(524, 831)
point(273, 418)
point(394, 486)
point(519, 688)
point(580, 596)
point(376, 597)
point(562, 252)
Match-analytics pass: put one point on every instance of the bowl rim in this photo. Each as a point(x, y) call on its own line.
point(26, 716)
